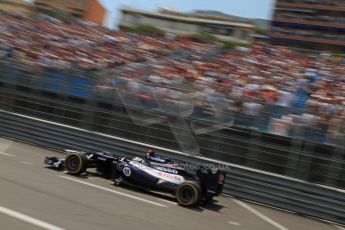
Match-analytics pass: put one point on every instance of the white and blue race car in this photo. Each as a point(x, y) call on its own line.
point(153, 173)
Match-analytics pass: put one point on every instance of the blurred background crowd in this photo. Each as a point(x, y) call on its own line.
point(47, 42)
point(270, 88)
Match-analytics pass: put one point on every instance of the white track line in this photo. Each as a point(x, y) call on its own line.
point(29, 219)
point(6, 154)
point(234, 223)
point(168, 201)
point(259, 214)
point(339, 227)
point(113, 191)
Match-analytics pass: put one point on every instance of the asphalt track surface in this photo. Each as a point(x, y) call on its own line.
point(33, 197)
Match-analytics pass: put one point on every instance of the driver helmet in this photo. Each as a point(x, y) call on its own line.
point(150, 153)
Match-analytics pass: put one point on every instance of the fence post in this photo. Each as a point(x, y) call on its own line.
point(297, 145)
point(252, 154)
point(337, 163)
point(306, 159)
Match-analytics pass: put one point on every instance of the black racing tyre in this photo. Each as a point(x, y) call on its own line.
point(75, 163)
point(188, 193)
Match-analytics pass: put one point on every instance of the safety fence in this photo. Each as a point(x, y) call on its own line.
point(282, 192)
point(129, 86)
point(210, 132)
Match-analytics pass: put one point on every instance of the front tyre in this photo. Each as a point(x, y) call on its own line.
point(75, 163)
point(188, 193)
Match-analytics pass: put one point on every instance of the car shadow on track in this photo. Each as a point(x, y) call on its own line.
point(210, 206)
point(213, 206)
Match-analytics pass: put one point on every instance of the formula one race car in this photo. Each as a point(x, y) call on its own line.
point(161, 175)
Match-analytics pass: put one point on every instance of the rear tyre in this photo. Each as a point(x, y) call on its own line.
point(188, 193)
point(75, 163)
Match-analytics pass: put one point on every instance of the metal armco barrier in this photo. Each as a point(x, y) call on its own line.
point(278, 191)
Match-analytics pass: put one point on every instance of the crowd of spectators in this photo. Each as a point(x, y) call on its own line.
point(282, 89)
point(47, 42)
point(272, 88)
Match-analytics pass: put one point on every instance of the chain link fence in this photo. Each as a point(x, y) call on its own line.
point(93, 101)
